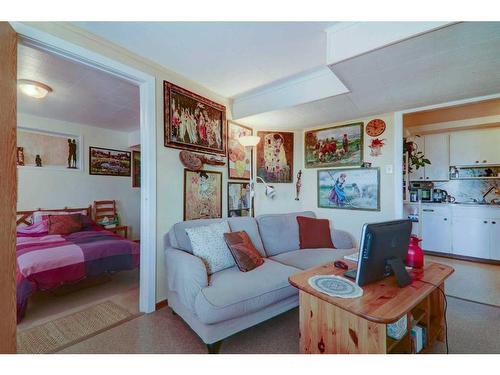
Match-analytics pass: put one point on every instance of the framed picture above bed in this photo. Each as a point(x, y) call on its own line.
point(202, 194)
point(192, 122)
point(349, 189)
point(136, 169)
point(109, 162)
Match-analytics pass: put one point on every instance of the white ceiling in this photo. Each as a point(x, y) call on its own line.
point(456, 62)
point(82, 94)
point(229, 58)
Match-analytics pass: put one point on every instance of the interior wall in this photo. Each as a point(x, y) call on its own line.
point(53, 188)
point(352, 220)
point(284, 200)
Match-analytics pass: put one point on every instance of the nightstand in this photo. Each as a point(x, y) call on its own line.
point(122, 228)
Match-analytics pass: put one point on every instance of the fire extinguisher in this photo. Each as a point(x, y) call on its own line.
point(415, 256)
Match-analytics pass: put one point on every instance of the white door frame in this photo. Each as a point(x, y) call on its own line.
point(398, 147)
point(146, 83)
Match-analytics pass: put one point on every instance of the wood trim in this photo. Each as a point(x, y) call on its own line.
point(25, 217)
point(161, 304)
point(8, 187)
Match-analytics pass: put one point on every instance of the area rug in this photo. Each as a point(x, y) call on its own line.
point(71, 329)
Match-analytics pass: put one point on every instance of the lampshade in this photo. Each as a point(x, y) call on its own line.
point(34, 89)
point(249, 140)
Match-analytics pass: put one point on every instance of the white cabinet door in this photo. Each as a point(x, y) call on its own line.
point(436, 232)
point(471, 237)
point(418, 174)
point(495, 239)
point(490, 146)
point(437, 150)
point(465, 147)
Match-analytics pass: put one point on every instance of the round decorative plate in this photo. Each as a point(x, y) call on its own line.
point(375, 127)
point(335, 286)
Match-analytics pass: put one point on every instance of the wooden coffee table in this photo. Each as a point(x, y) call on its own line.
point(358, 325)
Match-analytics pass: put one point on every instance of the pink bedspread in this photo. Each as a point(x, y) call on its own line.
point(45, 262)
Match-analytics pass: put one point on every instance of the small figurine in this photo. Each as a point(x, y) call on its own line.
point(71, 153)
point(20, 156)
point(38, 160)
point(298, 184)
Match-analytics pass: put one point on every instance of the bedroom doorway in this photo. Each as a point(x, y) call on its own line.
point(141, 141)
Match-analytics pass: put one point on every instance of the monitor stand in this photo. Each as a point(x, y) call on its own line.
point(403, 278)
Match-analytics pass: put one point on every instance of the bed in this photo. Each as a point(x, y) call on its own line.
point(47, 261)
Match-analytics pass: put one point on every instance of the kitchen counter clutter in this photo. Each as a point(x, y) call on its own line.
point(464, 230)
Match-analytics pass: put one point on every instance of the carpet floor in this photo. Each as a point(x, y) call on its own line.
point(472, 328)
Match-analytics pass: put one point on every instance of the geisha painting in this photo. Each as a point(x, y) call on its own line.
point(275, 157)
point(202, 195)
point(351, 189)
point(193, 122)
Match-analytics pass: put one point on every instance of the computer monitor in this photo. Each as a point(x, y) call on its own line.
point(383, 251)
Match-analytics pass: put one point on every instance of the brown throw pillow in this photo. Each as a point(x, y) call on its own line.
point(243, 251)
point(65, 224)
point(314, 233)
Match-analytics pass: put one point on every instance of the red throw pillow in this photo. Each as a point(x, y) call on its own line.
point(65, 224)
point(243, 251)
point(314, 233)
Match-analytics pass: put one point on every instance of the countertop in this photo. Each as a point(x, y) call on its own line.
point(461, 205)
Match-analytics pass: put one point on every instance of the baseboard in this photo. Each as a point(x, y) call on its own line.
point(462, 257)
point(161, 304)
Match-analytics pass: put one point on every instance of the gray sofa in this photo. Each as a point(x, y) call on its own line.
point(230, 301)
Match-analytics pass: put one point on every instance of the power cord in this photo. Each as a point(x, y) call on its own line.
point(445, 310)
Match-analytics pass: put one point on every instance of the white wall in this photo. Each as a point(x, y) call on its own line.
point(47, 188)
point(349, 220)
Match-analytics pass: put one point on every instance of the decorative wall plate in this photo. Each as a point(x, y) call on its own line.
point(375, 127)
point(335, 286)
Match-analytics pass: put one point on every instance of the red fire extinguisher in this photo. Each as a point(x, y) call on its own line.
point(415, 256)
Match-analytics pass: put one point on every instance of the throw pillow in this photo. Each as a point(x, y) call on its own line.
point(244, 252)
point(209, 245)
point(314, 233)
point(64, 224)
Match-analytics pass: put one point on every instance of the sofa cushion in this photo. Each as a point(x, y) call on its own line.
point(232, 293)
point(280, 232)
point(243, 251)
point(249, 225)
point(181, 236)
point(314, 233)
point(304, 259)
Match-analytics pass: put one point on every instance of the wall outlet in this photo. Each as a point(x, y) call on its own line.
point(388, 169)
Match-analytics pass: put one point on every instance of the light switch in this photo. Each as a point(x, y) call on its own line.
point(388, 169)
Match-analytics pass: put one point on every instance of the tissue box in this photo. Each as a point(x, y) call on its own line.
point(398, 329)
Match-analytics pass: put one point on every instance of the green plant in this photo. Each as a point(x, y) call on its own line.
point(416, 158)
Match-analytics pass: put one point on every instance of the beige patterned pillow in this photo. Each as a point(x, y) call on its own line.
point(208, 244)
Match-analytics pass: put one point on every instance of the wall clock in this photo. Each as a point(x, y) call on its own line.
point(375, 127)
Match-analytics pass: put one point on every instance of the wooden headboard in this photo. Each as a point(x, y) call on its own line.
point(25, 217)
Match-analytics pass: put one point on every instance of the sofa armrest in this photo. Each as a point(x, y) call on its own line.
point(186, 275)
point(342, 239)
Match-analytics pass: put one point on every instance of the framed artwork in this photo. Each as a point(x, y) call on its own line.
point(136, 169)
point(109, 162)
point(349, 189)
point(239, 161)
point(192, 122)
point(340, 146)
point(275, 157)
point(238, 199)
point(202, 194)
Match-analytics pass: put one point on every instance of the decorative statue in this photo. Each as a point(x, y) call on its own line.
point(38, 161)
point(20, 156)
point(71, 153)
point(298, 184)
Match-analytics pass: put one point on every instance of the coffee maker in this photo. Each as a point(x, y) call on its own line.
point(440, 196)
point(421, 191)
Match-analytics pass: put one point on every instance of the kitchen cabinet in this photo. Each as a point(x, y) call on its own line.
point(475, 147)
point(495, 238)
point(436, 231)
point(471, 237)
point(435, 148)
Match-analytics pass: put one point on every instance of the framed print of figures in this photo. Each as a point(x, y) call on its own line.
point(275, 157)
point(238, 199)
point(109, 162)
point(349, 189)
point(239, 161)
point(136, 169)
point(340, 146)
point(202, 195)
point(192, 122)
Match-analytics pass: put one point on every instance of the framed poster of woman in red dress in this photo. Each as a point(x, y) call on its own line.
point(192, 122)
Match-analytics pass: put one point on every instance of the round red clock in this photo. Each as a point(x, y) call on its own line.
point(375, 127)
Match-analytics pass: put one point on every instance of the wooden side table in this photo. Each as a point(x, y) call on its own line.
point(119, 228)
point(359, 325)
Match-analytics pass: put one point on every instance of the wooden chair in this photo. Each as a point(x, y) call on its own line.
point(104, 209)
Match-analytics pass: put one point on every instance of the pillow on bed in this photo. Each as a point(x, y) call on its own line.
point(38, 216)
point(65, 224)
point(38, 228)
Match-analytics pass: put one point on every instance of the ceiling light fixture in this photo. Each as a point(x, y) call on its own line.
point(34, 89)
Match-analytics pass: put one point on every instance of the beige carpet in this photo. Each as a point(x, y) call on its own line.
point(60, 333)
